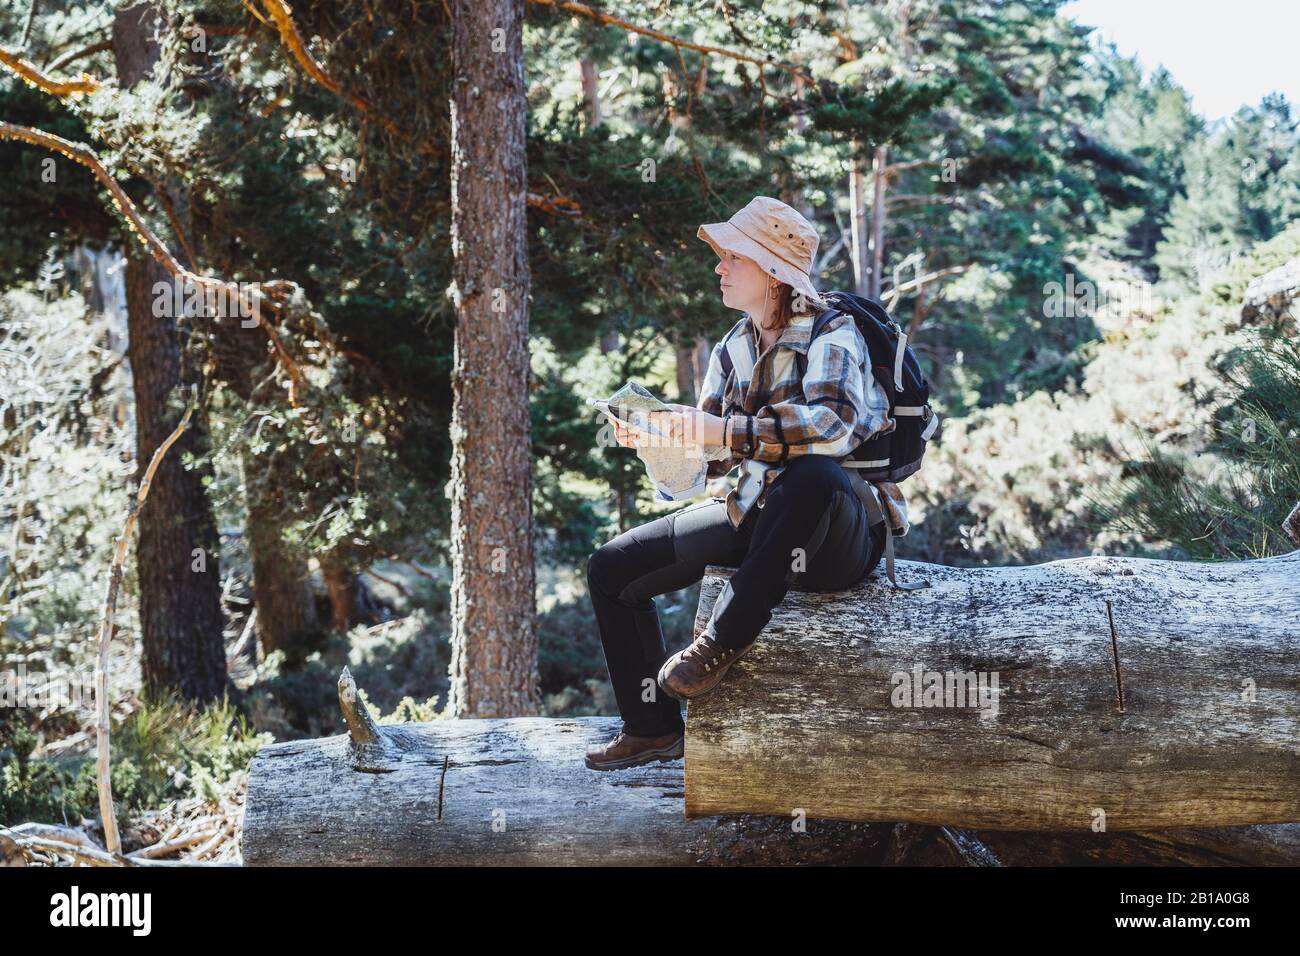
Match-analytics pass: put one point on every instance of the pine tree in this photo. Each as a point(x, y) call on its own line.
point(494, 649)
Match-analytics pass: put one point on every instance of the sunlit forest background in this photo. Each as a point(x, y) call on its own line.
point(1097, 281)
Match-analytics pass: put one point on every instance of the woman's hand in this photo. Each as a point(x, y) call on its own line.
point(695, 426)
point(623, 434)
point(683, 426)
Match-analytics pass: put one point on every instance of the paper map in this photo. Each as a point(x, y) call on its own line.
point(676, 470)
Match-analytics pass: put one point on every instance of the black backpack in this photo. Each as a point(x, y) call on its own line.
point(897, 453)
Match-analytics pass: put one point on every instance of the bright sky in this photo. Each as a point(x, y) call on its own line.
point(1223, 54)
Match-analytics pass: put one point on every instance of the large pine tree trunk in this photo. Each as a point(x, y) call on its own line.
point(494, 645)
point(684, 353)
point(180, 594)
point(286, 608)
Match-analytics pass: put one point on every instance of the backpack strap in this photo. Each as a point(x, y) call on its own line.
point(819, 324)
point(876, 515)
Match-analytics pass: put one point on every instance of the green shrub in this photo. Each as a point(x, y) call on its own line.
point(160, 752)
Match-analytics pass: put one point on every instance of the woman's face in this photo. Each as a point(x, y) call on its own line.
point(744, 284)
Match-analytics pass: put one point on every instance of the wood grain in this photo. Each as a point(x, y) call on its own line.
point(1210, 735)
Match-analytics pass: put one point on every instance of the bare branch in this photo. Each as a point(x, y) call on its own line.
point(79, 854)
point(391, 582)
point(556, 205)
point(920, 282)
point(606, 19)
point(112, 841)
point(27, 27)
point(282, 15)
point(30, 74)
point(64, 59)
point(252, 298)
point(895, 168)
point(916, 199)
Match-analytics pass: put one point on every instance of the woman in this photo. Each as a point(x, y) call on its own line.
point(788, 412)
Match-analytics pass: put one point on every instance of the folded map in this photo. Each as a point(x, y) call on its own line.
point(676, 470)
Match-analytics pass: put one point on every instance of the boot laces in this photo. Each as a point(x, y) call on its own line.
point(708, 652)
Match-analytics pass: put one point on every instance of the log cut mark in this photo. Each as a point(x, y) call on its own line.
point(1114, 647)
point(442, 784)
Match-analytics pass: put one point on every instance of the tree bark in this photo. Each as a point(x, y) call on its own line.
point(494, 644)
point(880, 178)
point(340, 585)
point(684, 355)
point(286, 607)
point(503, 792)
point(177, 555)
point(180, 593)
point(703, 352)
point(1209, 733)
point(858, 247)
point(590, 92)
point(497, 792)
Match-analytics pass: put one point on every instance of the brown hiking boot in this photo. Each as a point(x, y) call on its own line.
point(695, 671)
point(628, 751)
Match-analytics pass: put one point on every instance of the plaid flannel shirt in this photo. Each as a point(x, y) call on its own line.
point(772, 416)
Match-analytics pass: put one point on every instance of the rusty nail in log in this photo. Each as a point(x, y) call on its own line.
point(1114, 646)
point(442, 783)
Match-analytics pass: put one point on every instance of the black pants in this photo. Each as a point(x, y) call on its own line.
point(812, 531)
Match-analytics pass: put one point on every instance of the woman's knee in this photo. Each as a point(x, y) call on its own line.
point(622, 561)
point(602, 570)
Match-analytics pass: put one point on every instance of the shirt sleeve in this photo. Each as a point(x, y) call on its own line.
point(838, 410)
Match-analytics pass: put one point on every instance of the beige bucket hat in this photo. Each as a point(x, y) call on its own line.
point(772, 234)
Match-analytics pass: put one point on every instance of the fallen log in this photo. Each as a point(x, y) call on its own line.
point(1119, 694)
point(488, 792)
point(498, 792)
